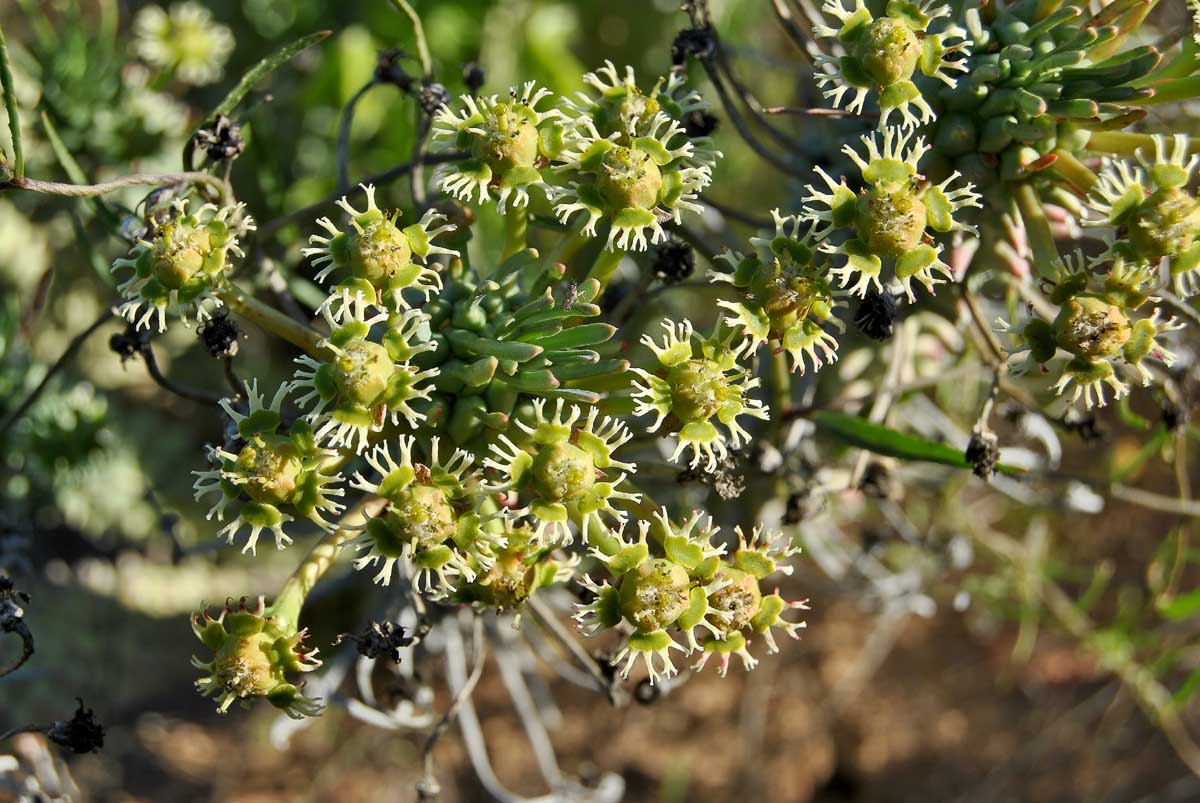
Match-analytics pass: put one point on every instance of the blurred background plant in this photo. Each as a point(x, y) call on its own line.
point(1011, 640)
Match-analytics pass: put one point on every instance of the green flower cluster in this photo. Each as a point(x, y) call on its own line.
point(693, 585)
point(613, 155)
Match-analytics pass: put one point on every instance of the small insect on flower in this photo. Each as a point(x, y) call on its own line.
point(362, 377)
point(1153, 214)
point(254, 648)
point(892, 219)
point(885, 52)
point(559, 471)
point(787, 298)
point(274, 471)
point(185, 41)
point(179, 265)
point(382, 259)
point(698, 379)
point(509, 140)
point(431, 521)
point(1095, 328)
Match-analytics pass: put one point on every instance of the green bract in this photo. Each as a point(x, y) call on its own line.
point(431, 521)
point(693, 584)
point(892, 219)
point(253, 652)
point(885, 52)
point(382, 259)
point(563, 472)
point(509, 142)
point(698, 380)
point(787, 298)
point(271, 474)
point(1096, 329)
point(367, 376)
point(1151, 211)
point(180, 263)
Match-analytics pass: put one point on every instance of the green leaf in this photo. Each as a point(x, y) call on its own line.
point(10, 106)
point(881, 440)
point(583, 370)
point(463, 340)
point(1188, 689)
point(533, 381)
point(249, 80)
point(1182, 606)
point(577, 336)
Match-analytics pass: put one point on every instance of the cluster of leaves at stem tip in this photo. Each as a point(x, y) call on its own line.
point(484, 401)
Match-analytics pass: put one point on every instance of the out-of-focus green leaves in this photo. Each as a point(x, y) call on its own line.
point(249, 81)
point(8, 86)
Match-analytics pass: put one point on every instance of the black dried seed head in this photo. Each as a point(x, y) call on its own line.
point(81, 733)
point(1172, 415)
point(220, 335)
point(389, 71)
point(11, 614)
point(473, 76)
point(674, 261)
point(222, 140)
point(692, 42)
point(432, 96)
point(1083, 425)
point(983, 452)
point(380, 640)
point(699, 123)
point(130, 343)
point(877, 481)
point(876, 315)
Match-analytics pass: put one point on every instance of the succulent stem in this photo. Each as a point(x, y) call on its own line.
point(605, 266)
point(516, 227)
point(1037, 229)
point(297, 587)
point(271, 319)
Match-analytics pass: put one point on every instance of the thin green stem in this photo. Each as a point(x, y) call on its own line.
point(343, 140)
point(271, 319)
point(10, 106)
point(1037, 229)
point(605, 266)
point(297, 587)
point(782, 393)
point(516, 229)
point(419, 32)
point(1125, 143)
